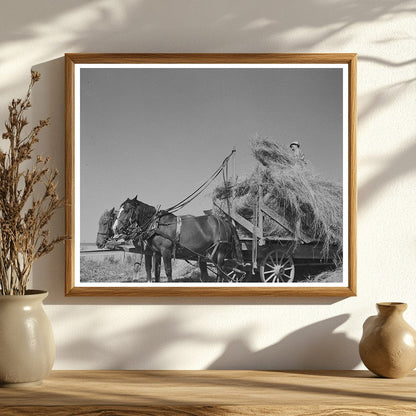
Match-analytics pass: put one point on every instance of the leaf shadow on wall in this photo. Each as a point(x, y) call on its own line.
point(396, 167)
point(149, 26)
point(154, 344)
point(143, 347)
point(313, 347)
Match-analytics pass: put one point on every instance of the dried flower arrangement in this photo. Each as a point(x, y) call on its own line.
point(28, 199)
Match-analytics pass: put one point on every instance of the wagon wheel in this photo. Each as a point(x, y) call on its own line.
point(277, 267)
point(234, 275)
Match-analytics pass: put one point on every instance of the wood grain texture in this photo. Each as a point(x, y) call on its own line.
point(229, 291)
point(203, 393)
point(325, 58)
point(352, 176)
point(213, 393)
point(210, 411)
point(171, 58)
point(69, 174)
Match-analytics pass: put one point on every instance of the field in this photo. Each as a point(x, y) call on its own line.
point(119, 267)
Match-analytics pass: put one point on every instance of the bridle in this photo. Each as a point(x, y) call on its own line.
point(117, 220)
point(130, 222)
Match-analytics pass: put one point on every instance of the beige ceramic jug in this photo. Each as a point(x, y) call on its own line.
point(388, 345)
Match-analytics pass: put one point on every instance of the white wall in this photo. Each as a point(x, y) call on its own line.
point(199, 333)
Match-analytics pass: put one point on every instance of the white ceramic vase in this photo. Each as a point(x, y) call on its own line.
point(27, 346)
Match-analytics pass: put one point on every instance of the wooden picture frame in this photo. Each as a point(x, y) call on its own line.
point(101, 96)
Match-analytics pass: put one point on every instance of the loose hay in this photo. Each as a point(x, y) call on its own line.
point(312, 205)
point(329, 276)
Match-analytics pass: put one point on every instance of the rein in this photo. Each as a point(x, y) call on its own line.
point(202, 187)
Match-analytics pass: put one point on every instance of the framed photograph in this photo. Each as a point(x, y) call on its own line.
point(211, 174)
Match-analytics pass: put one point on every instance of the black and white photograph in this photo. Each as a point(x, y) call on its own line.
point(211, 175)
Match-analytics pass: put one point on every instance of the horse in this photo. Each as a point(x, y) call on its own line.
point(205, 237)
point(105, 227)
point(105, 232)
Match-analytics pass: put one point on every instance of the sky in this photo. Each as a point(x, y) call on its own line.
point(159, 133)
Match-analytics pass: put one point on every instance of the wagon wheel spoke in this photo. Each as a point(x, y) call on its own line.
point(231, 275)
point(271, 262)
point(270, 275)
point(270, 265)
point(271, 278)
point(277, 260)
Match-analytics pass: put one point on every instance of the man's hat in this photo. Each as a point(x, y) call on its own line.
point(295, 143)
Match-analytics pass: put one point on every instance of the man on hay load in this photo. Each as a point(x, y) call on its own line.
point(297, 152)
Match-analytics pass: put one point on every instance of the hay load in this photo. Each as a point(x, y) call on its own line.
point(311, 204)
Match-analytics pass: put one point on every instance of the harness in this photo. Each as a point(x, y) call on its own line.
point(157, 231)
point(143, 234)
point(215, 245)
point(152, 227)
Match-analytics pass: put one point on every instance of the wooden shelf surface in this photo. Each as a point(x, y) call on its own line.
point(202, 393)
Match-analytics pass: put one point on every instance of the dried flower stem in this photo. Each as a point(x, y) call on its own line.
point(23, 217)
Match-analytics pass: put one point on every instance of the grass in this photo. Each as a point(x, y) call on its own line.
point(119, 268)
point(327, 276)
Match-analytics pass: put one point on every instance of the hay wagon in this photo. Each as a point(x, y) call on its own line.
point(273, 256)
